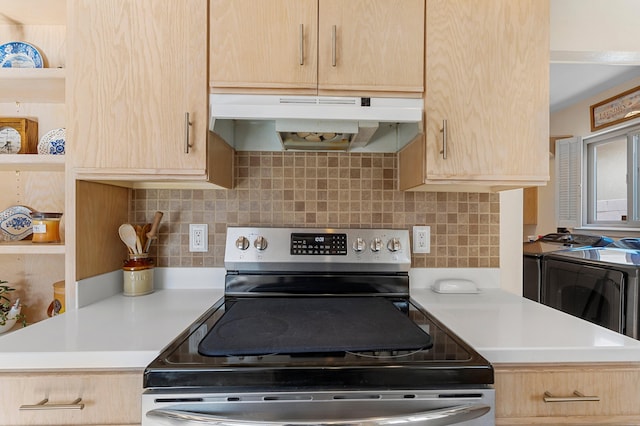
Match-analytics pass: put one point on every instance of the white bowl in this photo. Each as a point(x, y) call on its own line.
point(8, 325)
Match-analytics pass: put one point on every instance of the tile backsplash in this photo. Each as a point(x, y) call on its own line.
point(306, 189)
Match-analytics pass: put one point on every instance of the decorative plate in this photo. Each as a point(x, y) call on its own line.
point(53, 142)
point(15, 223)
point(17, 54)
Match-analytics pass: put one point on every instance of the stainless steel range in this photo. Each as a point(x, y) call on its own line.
point(317, 327)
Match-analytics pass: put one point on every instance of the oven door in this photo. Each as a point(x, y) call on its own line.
point(591, 292)
point(411, 408)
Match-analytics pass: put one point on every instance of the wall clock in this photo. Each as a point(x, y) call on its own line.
point(18, 136)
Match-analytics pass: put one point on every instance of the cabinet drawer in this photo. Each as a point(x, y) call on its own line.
point(111, 397)
point(520, 390)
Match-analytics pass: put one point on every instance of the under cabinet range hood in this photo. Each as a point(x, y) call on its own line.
point(315, 123)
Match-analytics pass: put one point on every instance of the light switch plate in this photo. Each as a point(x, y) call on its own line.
point(421, 239)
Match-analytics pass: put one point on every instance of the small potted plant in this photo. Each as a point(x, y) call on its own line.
point(9, 311)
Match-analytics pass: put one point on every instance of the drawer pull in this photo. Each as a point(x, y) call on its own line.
point(301, 44)
point(42, 405)
point(187, 125)
point(333, 46)
point(444, 139)
point(578, 397)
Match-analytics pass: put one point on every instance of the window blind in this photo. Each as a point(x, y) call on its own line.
point(568, 167)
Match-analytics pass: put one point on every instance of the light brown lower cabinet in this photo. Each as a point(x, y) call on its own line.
point(108, 397)
point(575, 394)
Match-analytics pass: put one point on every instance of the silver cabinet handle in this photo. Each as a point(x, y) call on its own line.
point(444, 139)
point(440, 417)
point(578, 397)
point(187, 124)
point(301, 44)
point(333, 46)
point(42, 405)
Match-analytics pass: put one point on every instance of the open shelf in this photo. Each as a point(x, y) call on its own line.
point(44, 85)
point(32, 162)
point(27, 247)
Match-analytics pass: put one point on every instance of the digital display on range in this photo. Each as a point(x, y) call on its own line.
point(319, 244)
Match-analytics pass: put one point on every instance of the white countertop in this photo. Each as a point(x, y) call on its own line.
point(118, 332)
point(505, 328)
point(129, 332)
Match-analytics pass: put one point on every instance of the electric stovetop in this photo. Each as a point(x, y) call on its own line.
point(317, 309)
point(447, 361)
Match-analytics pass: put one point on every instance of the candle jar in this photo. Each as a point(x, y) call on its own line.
point(46, 227)
point(138, 275)
point(57, 307)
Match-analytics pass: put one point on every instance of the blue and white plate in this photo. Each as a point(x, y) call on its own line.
point(53, 142)
point(17, 54)
point(15, 223)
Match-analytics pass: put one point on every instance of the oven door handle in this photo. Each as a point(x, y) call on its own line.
point(440, 417)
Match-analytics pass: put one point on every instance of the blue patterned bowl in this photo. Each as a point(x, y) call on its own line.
point(15, 223)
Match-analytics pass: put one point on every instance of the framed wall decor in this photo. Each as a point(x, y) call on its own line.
point(622, 107)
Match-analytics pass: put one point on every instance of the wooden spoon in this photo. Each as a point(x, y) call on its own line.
point(143, 236)
point(140, 237)
point(151, 235)
point(128, 236)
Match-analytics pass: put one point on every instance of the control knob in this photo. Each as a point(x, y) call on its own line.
point(394, 244)
point(359, 245)
point(242, 243)
point(376, 244)
point(260, 243)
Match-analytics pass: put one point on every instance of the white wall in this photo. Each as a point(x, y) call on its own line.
point(600, 30)
point(575, 120)
point(510, 241)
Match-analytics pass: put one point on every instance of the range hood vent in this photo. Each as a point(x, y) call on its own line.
point(312, 123)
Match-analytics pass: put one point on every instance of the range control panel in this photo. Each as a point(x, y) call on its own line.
point(319, 244)
point(311, 249)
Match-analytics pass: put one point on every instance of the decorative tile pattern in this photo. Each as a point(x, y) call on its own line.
point(298, 189)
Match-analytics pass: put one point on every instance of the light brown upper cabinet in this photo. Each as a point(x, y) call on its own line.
point(138, 89)
point(369, 48)
point(486, 97)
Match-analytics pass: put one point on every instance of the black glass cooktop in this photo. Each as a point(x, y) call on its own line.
point(312, 325)
point(448, 360)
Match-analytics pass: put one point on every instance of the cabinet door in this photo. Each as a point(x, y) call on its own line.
point(371, 46)
point(137, 67)
point(487, 75)
point(270, 44)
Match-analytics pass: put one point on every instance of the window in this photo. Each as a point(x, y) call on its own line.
point(597, 180)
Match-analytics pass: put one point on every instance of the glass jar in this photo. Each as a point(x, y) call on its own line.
point(57, 306)
point(138, 275)
point(46, 227)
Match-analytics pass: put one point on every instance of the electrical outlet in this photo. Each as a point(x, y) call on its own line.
point(421, 239)
point(198, 240)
